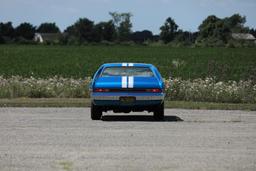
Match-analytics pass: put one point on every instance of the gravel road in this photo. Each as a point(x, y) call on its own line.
point(43, 139)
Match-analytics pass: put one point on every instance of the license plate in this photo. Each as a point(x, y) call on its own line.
point(127, 99)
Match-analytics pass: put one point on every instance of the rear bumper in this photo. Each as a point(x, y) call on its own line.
point(140, 103)
point(112, 99)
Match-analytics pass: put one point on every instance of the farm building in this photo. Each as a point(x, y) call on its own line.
point(244, 36)
point(47, 37)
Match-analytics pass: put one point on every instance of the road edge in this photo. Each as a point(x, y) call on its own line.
point(85, 102)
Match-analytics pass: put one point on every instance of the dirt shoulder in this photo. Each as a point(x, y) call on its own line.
point(85, 102)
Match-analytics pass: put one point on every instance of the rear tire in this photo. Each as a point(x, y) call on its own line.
point(159, 112)
point(96, 112)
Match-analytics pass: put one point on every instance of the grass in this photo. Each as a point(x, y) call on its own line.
point(66, 165)
point(81, 61)
point(85, 102)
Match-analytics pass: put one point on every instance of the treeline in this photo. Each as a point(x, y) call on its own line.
point(213, 31)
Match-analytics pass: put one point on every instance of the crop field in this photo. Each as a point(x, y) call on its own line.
point(82, 61)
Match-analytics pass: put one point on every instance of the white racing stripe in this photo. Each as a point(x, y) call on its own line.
point(127, 64)
point(124, 82)
point(130, 82)
point(127, 82)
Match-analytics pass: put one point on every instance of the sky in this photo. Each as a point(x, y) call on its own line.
point(147, 14)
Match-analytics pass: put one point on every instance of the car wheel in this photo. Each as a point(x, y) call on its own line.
point(159, 112)
point(96, 112)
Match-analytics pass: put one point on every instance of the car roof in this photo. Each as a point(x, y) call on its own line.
point(127, 64)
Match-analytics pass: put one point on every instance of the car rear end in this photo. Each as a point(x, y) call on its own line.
point(127, 87)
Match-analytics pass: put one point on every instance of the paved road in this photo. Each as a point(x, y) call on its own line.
point(66, 139)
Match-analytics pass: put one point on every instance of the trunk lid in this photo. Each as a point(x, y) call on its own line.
point(119, 82)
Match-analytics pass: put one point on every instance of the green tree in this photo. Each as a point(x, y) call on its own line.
point(253, 32)
point(123, 25)
point(116, 18)
point(184, 37)
point(7, 30)
point(104, 31)
point(109, 31)
point(1, 39)
point(236, 23)
point(142, 36)
point(70, 30)
point(25, 30)
point(98, 32)
point(207, 28)
point(48, 28)
point(213, 30)
point(83, 30)
point(124, 29)
point(168, 30)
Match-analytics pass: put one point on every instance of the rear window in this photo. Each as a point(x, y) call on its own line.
point(127, 71)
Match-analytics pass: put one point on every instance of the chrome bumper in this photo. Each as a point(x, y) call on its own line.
point(118, 97)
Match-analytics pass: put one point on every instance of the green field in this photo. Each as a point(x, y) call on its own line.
point(81, 61)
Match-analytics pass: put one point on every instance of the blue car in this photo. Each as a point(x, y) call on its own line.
point(127, 87)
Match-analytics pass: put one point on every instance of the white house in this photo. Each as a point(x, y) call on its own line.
point(244, 36)
point(46, 37)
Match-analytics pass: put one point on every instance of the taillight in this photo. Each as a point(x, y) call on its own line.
point(154, 90)
point(101, 90)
